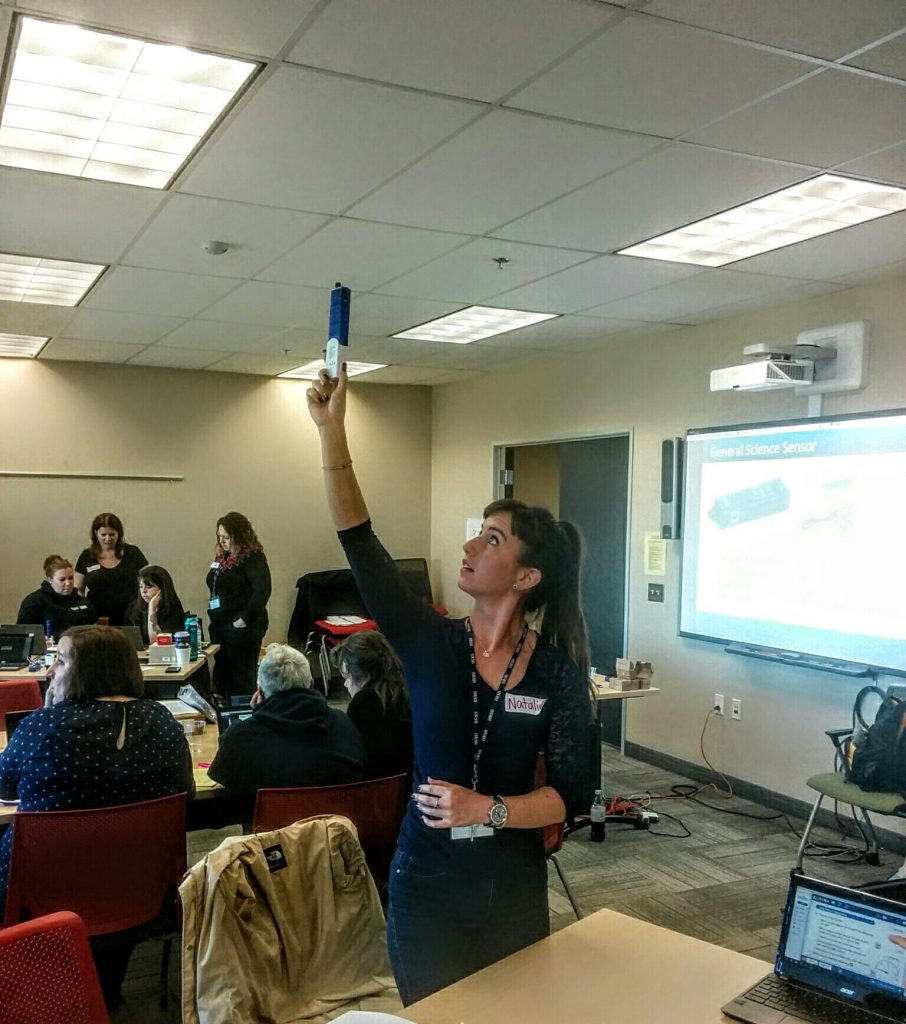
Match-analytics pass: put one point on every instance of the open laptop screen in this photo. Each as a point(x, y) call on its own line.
point(844, 941)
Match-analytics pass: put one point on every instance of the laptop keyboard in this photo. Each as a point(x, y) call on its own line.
point(775, 993)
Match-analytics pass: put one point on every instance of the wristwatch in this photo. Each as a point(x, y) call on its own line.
point(497, 814)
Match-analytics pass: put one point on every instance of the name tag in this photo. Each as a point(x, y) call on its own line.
point(215, 565)
point(91, 568)
point(80, 607)
point(471, 832)
point(518, 704)
point(214, 604)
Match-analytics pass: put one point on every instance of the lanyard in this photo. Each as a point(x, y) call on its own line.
point(478, 741)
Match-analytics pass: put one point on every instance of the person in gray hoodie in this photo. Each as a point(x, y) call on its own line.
point(292, 738)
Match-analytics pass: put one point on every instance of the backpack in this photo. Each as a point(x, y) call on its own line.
point(879, 754)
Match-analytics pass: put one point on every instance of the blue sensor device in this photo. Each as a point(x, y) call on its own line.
point(338, 329)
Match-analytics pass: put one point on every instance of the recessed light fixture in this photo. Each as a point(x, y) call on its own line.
point(474, 324)
point(811, 208)
point(96, 105)
point(310, 370)
point(55, 282)
point(21, 346)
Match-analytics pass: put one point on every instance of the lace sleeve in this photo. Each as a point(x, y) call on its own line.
point(569, 739)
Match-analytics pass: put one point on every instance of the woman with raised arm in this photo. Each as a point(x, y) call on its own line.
point(468, 885)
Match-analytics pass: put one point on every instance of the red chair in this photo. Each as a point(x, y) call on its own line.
point(47, 975)
point(116, 867)
point(375, 807)
point(19, 695)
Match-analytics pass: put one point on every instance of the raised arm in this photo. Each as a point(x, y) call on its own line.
point(327, 407)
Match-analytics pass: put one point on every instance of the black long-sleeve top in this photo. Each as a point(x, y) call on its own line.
point(243, 587)
point(112, 590)
point(61, 610)
point(548, 710)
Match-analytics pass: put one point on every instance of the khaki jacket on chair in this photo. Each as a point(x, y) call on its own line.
point(281, 926)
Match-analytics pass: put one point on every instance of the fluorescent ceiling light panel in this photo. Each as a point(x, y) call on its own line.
point(310, 370)
point(55, 282)
point(474, 324)
point(95, 105)
point(811, 208)
point(19, 346)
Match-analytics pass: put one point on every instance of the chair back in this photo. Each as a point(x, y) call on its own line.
point(19, 695)
point(114, 866)
point(552, 834)
point(375, 807)
point(47, 974)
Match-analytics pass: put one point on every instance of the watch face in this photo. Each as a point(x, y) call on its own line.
point(498, 814)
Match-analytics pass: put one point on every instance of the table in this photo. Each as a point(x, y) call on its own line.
point(150, 673)
point(605, 968)
point(602, 693)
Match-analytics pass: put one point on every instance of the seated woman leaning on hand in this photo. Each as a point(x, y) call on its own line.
point(56, 601)
point(380, 705)
point(95, 743)
point(468, 884)
point(157, 609)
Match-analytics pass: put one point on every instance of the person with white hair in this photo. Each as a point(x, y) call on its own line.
point(292, 738)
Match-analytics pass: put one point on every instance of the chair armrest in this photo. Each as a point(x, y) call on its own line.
point(837, 737)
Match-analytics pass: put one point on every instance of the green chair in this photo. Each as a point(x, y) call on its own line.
point(835, 786)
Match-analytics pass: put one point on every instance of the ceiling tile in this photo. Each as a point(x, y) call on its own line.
point(565, 332)
point(178, 359)
point(823, 28)
point(91, 221)
point(380, 315)
point(469, 275)
point(217, 336)
point(79, 350)
point(362, 253)
point(793, 124)
point(888, 166)
point(278, 305)
point(498, 169)
point(446, 47)
point(156, 291)
point(33, 318)
point(664, 190)
point(887, 59)
point(589, 284)
point(231, 25)
point(630, 78)
point(257, 235)
point(681, 301)
point(299, 142)
point(107, 325)
point(268, 365)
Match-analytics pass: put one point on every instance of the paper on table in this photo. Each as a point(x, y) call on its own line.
point(369, 1017)
point(345, 620)
point(655, 554)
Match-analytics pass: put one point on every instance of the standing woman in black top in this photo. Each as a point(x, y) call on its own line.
point(239, 582)
point(108, 569)
point(157, 609)
point(380, 705)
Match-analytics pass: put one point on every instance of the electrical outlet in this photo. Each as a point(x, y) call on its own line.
point(656, 592)
point(718, 704)
point(736, 709)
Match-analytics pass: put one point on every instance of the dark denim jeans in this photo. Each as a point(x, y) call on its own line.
point(447, 921)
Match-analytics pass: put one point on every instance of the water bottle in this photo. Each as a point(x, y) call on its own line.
point(598, 811)
point(48, 630)
point(192, 630)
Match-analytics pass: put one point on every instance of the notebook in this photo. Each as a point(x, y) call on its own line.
point(40, 643)
point(15, 649)
point(841, 956)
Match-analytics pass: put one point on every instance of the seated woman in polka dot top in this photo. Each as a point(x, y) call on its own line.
point(96, 742)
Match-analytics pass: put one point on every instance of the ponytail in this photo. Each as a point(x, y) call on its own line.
point(555, 549)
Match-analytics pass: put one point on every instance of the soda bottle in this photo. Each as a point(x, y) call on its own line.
point(597, 815)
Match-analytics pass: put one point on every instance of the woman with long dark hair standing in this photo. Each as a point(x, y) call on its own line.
point(108, 568)
point(468, 885)
point(239, 582)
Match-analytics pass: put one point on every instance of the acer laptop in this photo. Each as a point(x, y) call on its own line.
point(40, 641)
point(841, 957)
point(15, 649)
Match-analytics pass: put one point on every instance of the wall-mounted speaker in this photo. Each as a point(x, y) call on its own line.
point(671, 487)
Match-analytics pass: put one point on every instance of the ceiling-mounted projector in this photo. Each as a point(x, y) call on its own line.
point(764, 375)
point(823, 359)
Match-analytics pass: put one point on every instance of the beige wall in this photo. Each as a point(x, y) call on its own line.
point(241, 442)
point(657, 387)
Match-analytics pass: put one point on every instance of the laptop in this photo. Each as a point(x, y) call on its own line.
point(227, 716)
point(134, 635)
point(841, 956)
point(39, 646)
point(15, 649)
